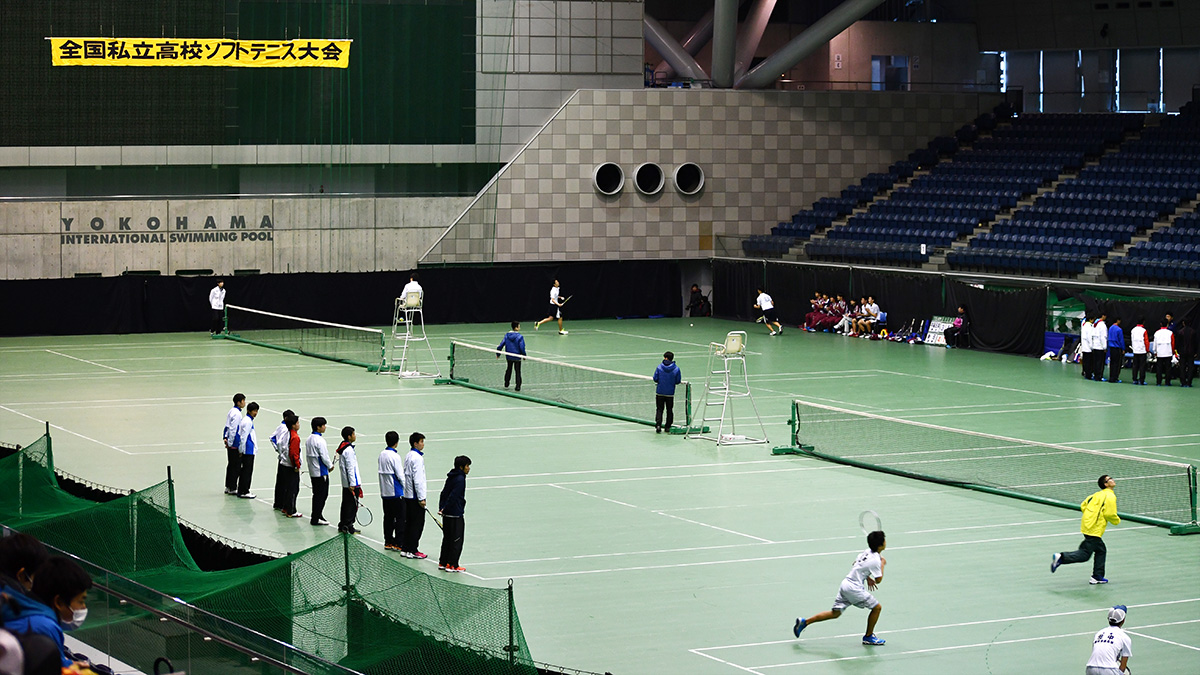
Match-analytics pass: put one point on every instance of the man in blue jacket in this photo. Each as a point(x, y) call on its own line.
point(1116, 350)
point(666, 376)
point(513, 345)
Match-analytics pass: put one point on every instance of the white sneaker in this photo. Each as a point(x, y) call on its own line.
point(774, 333)
point(321, 521)
point(248, 495)
point(563, 332)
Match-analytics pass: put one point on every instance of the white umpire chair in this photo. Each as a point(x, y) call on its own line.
point(408, 330)
point(726, 382)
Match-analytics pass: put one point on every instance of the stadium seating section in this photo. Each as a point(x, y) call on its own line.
point(974, 197)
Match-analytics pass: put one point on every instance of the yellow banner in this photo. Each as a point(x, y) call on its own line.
point(200, 52)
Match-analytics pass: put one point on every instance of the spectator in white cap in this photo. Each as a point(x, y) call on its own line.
point(1111, 646)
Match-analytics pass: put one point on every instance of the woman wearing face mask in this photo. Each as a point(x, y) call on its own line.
point(58, 602)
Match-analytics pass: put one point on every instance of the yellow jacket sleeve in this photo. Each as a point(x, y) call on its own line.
point(1099, 510)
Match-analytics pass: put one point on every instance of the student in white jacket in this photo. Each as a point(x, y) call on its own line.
point(414, 496)
point(247, 447)
point(233, 458)
point(351, 483)
point(319, 465)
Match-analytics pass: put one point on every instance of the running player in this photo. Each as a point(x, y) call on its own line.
point(767, 305)
point(868, 569)
point(555, 309)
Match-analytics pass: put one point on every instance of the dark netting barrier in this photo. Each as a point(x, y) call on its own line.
point(337, 607)
point(1152, 491)
point(792, 286)
point(1012, 321)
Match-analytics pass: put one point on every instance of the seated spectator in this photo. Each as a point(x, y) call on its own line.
point(58, 600)
point(846, 325)
point(833, 314)
point(956, 335)
point(870, 314)
point(820, 307)
point(20, 555)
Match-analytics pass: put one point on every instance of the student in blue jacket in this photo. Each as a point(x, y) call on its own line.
point(451, 505)
point(513, 345)
point(57, 602)
point(666, 376)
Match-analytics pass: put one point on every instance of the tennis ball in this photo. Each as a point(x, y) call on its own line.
point(692, 325)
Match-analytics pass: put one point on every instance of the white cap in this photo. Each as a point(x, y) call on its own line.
point(1117, 614)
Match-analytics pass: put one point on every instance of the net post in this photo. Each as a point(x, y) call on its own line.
point(49, 449)
point(512, 613)
point(170, 492)
point(346, 566)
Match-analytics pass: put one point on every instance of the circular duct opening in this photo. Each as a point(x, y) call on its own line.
point(649, 178)
point(689, 178)
point(608, 178)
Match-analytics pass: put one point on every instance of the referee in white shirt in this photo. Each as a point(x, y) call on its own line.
point(216, 300)
point(1111, 646)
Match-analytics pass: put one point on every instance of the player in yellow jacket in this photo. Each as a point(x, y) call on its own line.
point(1099, 510)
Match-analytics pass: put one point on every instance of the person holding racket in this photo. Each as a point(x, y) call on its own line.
point(556, 304)
point(414, 496)
point(452, 503)
point(864, 576)
point(767, 306)
point(1112, 647)
point(1099, 510)
point(351, 483)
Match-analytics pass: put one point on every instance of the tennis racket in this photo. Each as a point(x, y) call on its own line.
point(869, 522)
point(760, 319)
point(359, 517)
point(435, 519)
point(564, 301)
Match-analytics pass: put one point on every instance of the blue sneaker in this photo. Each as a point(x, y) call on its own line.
point(1094, 581)
point(1055, 561)
point(800, 624)
point(874, 640)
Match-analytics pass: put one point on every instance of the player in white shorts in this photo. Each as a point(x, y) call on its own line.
point(856, 588)
point(1111, 646)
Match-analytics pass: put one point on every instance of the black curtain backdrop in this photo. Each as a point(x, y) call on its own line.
point(136, 304)
point(733, 288)
point(903, 296)
point(1001, 321)
point(1129, 311)
point(792, 286)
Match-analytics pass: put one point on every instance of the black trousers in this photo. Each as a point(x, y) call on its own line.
point(218, 321)
point(1139, 368)
point(1100, 357)
point(393, 520)
point(293, 491)
point(414, 525)
point(1116, 359)
point(1090, 546)
point(320, 488)
point(512, 365)
point(661, 402)
point(348, 511)
point(453, 528)
point(1162, 370)
point(245, 473)
point(1085, 364)
point(233, 465)
point(1187, 368)
point(955, 337)
point(281, 486)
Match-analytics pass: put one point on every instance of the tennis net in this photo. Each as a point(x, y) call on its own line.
point(610, 393)
point(1150, 491)
point(334, 341)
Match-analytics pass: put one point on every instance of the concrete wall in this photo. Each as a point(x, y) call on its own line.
point(49, 239)
point(765, 155)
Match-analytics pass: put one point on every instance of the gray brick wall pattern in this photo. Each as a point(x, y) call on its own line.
point(765, 155)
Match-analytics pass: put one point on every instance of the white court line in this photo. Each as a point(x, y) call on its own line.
point(689, 549)
point(931, 649)
point(83, 360)
point(550, 474)
point(73, 433)
point(631, 479)
point(992, 386)
point(224, 398)
point(661, 513)
point(657, 339)
point(707, 563)
point(728, 663)
point(1002, 412)
point(1158, 639)
point(980, 622)
point(56, 377)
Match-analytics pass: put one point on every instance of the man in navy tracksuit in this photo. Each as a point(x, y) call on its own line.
point(667, 375)
point(452, 504)
point(513, 345)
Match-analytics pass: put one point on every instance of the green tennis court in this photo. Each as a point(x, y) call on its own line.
point(633, 552)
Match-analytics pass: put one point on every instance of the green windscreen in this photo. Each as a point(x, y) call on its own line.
point(338, 607)
point(603, 392)
point(1151, 491)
